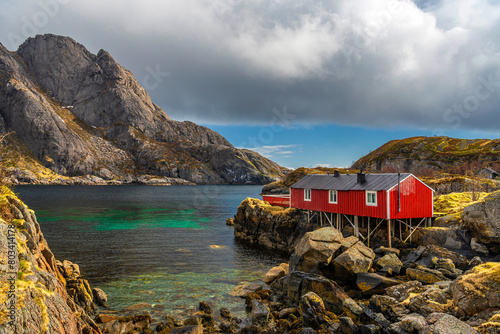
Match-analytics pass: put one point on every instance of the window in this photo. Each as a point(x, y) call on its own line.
point(333, 197)
point(371, 198)
point(307, 194)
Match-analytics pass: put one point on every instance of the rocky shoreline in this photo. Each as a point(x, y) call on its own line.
point(333, 283)
point(24, 177)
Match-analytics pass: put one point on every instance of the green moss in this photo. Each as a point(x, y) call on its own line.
point(454, 203)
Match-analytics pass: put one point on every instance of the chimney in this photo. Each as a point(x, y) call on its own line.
point(361, 177)
point(336, 173)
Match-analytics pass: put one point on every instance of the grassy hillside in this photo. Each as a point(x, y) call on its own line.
point(426, 156)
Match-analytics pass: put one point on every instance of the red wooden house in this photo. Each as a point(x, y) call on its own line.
point(371, 198)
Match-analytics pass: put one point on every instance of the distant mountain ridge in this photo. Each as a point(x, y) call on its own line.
point(77, 113)
point(421, 155)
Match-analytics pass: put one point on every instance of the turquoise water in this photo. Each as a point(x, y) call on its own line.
point(165, 246)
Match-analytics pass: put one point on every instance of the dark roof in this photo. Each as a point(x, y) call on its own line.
point(349, 182)
point(491, 170)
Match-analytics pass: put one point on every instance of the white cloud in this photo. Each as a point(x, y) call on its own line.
point(374, 63)
point(273, 151)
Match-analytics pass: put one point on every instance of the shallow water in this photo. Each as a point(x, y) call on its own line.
point(167, 246)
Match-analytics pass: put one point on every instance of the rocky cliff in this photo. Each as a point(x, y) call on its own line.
point(427, 155)
point(38, 294)
point(273, 227)
point(77, 113)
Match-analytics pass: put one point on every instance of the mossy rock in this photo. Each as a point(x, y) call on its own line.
point(478, 289)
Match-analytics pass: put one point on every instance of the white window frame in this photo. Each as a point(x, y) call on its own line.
point(306, 193)
point(335, 196)
point(368, 194)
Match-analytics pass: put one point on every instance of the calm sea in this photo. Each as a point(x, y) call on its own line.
point(167, 246)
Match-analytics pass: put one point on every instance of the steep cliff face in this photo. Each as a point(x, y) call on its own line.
point(84, 114)
point(34, 292)
point(424, 155)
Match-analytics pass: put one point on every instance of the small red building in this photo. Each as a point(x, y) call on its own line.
point(387, 196)
point(365, 198)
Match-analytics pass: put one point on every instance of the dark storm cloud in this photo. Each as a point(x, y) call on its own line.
point(384, 63)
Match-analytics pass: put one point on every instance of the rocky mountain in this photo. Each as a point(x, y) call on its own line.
point(77, 113)
point(428, 155)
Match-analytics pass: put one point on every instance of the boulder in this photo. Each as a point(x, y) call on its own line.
point(389, 261)
point(431, 301)
point(356, 259)
point(423, 255)
point(452, 238)
point(244, 290)
point(334, 297)
point(100, 297)
point(326, 252)
point(402, 291)
point(205, 308)
point(446, 267)
point(425, 275)
point(315, 250)
point(371, 283)
point(477, 290)
point(312, 310)
point(275, 273)
point(388, 250)
point(413, 323)
point(388, 306)
point(259, 314)
point(446, 324)
point(483, 221)
point(478, 247)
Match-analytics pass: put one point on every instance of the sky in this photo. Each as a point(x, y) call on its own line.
point(305, 82)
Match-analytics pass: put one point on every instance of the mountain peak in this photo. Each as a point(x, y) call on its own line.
point(81, 113)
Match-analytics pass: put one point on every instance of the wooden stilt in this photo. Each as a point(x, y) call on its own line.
point(411, 230)
point(338, 221)
point(321, 218)
point(369, 232)
point(356, 227)
point(400, 231)
point(389, 229)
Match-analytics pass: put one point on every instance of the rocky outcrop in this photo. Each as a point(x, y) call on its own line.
point(258, 223)
point(482, 220)
point(77, 114)
point(326, 252)
point(38, 295)
point(477, 290)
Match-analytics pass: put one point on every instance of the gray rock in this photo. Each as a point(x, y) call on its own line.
point(483, 222)
point(391, 261)
point(259, 314)
point(371, 283)
point(245, 289)
point(479, 248)
point(100, 297)
point(84, 114)
point(477, 290)
point(402, 291)
point(275, 273)
point(448, 324)
point(347, 326)
point(413, 323)
point(316, 250)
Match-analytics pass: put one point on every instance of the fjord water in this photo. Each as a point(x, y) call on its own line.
point(167, 246)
